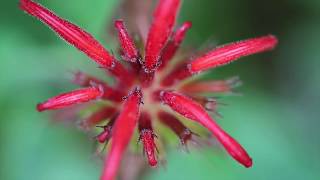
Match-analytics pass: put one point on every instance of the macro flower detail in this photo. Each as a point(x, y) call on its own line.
point(147, 93)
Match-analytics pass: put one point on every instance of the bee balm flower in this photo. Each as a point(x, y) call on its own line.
point(144, 85)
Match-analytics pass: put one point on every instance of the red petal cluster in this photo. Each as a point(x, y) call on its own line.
point(126, 109)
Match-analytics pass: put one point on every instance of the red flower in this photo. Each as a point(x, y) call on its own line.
point(145, 85)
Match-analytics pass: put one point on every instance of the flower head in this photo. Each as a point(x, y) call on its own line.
point(145, 85)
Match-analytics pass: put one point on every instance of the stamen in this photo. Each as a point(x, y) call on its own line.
point(71, 98)
point(122, 132)
point(194, 111)
point(220, 86)
point(210, 104)
point(228, 53)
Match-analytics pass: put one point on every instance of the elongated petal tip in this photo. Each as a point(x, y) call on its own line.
point(233, 147)
point(233, 51)
point(248, 164)
point(153, 162)
point(118, 23)
point(40, 107)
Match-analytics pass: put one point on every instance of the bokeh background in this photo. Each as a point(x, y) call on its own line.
point(276, 119)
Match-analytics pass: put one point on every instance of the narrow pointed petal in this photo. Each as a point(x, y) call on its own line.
point(219, 86)
point(122, 132)
point(230, 52)
point(130, 52)
point(163, 21)
point(147, 138)
point(174, 44)
point(184, 133)
point(71, 98)
point(194, 111)
point(70, 32)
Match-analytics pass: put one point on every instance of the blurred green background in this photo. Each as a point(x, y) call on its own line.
point(276, 119)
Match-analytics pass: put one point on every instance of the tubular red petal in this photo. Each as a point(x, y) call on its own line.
point(121, 134)
point(228, 53)
point(176, 126)
point(70, 32)
point(173, 44)
point(130, 52)
point(98, 117)
point(194, 111)
point(71, 98)
point(147, 138)
point(163, 21)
